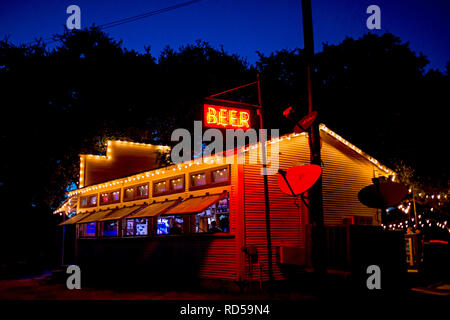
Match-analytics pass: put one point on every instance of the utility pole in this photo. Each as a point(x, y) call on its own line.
point(315, 194)
point(266, 188)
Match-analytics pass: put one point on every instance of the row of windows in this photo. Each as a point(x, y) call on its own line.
point(199, 180)
point(215, 219)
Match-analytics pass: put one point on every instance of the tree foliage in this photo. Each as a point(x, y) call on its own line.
point(62, 102)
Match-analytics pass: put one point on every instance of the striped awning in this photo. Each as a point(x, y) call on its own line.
point(96, 216)
point(118, 214)
point(194, 205)
point(75, 219)
point(154, 209)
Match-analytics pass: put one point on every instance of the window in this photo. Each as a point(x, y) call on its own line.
point(104, 198)
point(142, 191)
point(135, 192)
point(130, 227)
point(88, 201)
point(87, 229)
point(93, 201)
point(210, 178)
point(177, 184)
point(214, 219)
point(160, 187)
point(198, 179)
point(109, 197)
point(84, 202)
point(141, 227)
point(168, 186)
point(116, 196)
point(170, 225)
point(111, 228)
point(138, 227)
point(128, 194)
point(220, 175)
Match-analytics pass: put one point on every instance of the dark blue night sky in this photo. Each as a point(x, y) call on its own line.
point(242, 27)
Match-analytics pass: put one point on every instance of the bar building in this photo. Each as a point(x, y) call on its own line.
point(204, 219)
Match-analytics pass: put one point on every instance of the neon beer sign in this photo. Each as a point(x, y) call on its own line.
point(226, 117)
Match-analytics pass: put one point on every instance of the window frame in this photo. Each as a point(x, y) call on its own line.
point(111, 198)
point(169, 189)
point(195, 215)
point(135, 195)
point(184, 226)
point(120, 195)
point(89, 205)
point(227, 181)
point(191, 180)
point(149, 227)
point(82, 230)
point(182, 177)
point(102, 229)
point(208, 176)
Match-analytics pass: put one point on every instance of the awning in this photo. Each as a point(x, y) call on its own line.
point(120, 213)
point(95, 216)
point(194, 205)
point(75, 219)
point(154, 209)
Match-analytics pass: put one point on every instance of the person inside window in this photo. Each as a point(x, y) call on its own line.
point(176, 229)
point(214, 228)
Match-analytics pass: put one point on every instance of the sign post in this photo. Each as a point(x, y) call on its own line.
point(240, 118)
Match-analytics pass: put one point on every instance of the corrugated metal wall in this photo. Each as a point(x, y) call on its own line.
point(344, 173)
point(221, 258)
point(286, 217)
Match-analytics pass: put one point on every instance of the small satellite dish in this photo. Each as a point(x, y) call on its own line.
point(298, 179)
point(305, 122)
point(382, 195)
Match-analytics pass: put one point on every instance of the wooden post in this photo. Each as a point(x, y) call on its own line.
point(316, 212)
point(266, 190)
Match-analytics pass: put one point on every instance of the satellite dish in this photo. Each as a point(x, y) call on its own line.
point(298, 179)
point(305, 122)
point(382, 195)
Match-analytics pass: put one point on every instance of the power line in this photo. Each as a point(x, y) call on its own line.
point(133, 18)
point(146, 15)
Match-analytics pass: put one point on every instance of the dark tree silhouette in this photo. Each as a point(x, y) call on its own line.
point(62, 102)
point(374, 91)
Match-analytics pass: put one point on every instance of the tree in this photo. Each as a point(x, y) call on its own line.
point(373, 91)
point(68, 101)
